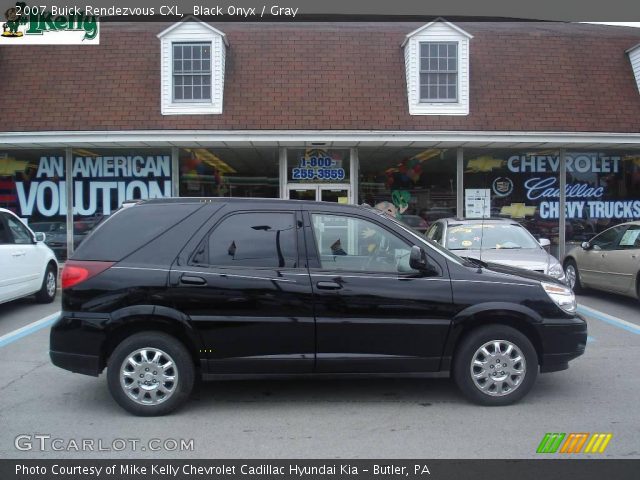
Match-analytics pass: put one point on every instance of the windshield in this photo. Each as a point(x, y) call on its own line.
point(489, 236)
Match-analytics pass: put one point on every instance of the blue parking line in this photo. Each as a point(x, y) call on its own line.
point(603, 317)
point(33, 327)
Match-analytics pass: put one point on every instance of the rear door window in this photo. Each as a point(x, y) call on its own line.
point(252, 239)
point(630, 239)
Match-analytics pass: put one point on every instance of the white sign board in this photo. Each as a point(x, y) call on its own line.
point(477, 202)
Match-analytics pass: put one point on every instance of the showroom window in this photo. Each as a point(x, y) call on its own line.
point(229, 172)
point(603, 189)
point(521, 185)
point(414, 185)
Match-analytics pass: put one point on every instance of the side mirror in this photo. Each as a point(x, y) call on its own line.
point(585, 245)
point(544, 242)
point(418, 260)
point(40, 237)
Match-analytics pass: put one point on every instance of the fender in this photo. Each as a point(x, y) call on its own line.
point(471, 315)
point(168, 315)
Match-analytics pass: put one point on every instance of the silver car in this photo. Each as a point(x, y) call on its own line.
point(609, 261)
point(496, 240)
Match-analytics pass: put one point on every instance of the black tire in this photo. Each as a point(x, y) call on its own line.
point(47, 294)
point(464, 356)
point(577, 286)
point(181, 388)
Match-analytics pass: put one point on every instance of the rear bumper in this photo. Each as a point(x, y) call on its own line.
point(76, 362)
point(77, 344)
point(562, 341)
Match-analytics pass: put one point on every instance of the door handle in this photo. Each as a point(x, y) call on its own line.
point(328, 285)
point(192, 280)
point(17, 254)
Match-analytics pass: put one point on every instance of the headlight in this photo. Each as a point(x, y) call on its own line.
point(562, 296)
point(556, 271)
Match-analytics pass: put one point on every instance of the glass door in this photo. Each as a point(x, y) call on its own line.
point(320, 193)
point(334, 194)
point(301, 193)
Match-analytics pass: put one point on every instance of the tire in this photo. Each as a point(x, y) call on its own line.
point(571, 271)
point(156, 395)
point(47, 292)
point(495, 393)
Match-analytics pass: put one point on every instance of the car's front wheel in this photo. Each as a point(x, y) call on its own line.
point(495, 365)
point(150, 373)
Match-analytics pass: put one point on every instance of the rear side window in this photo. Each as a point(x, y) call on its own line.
point(262, 239)
point(131, 228)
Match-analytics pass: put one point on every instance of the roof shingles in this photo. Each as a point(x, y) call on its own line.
point(341, 76)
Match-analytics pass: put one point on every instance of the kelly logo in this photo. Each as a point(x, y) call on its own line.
point(33, 25)
point(574, 443)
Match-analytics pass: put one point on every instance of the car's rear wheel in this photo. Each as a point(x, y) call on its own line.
point(573, 276)
point(47, 292)
point(495, 365)
point(150, 373)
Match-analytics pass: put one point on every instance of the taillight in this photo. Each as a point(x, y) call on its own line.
point(77, 271)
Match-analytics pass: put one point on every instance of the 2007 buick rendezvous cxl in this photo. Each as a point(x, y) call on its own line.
point(165, 290)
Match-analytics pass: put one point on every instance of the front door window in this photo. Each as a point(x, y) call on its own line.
point(355, 244)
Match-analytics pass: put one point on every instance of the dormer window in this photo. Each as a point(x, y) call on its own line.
point(634, 58)
point(438, 72)
point(437, 69)
point(192, 63)
point(192, 72)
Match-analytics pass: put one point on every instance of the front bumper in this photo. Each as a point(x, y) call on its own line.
point(562, 341)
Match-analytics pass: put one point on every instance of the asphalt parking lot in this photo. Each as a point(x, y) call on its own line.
point(381, 418)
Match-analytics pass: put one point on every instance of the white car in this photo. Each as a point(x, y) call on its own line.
point(498, 240)
point(27, 265)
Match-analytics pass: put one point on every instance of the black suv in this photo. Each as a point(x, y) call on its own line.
point(167, 290)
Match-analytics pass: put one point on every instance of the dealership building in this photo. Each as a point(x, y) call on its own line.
point(425, 120)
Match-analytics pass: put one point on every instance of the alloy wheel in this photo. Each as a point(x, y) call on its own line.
point(498, 368)
point(149, 376)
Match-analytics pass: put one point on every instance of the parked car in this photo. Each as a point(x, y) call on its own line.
point(56, 234)
point(498, 240)
point(436, 213)
point(415, 222)
point(231, 288)
point(27, 265)
point(610, 261)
